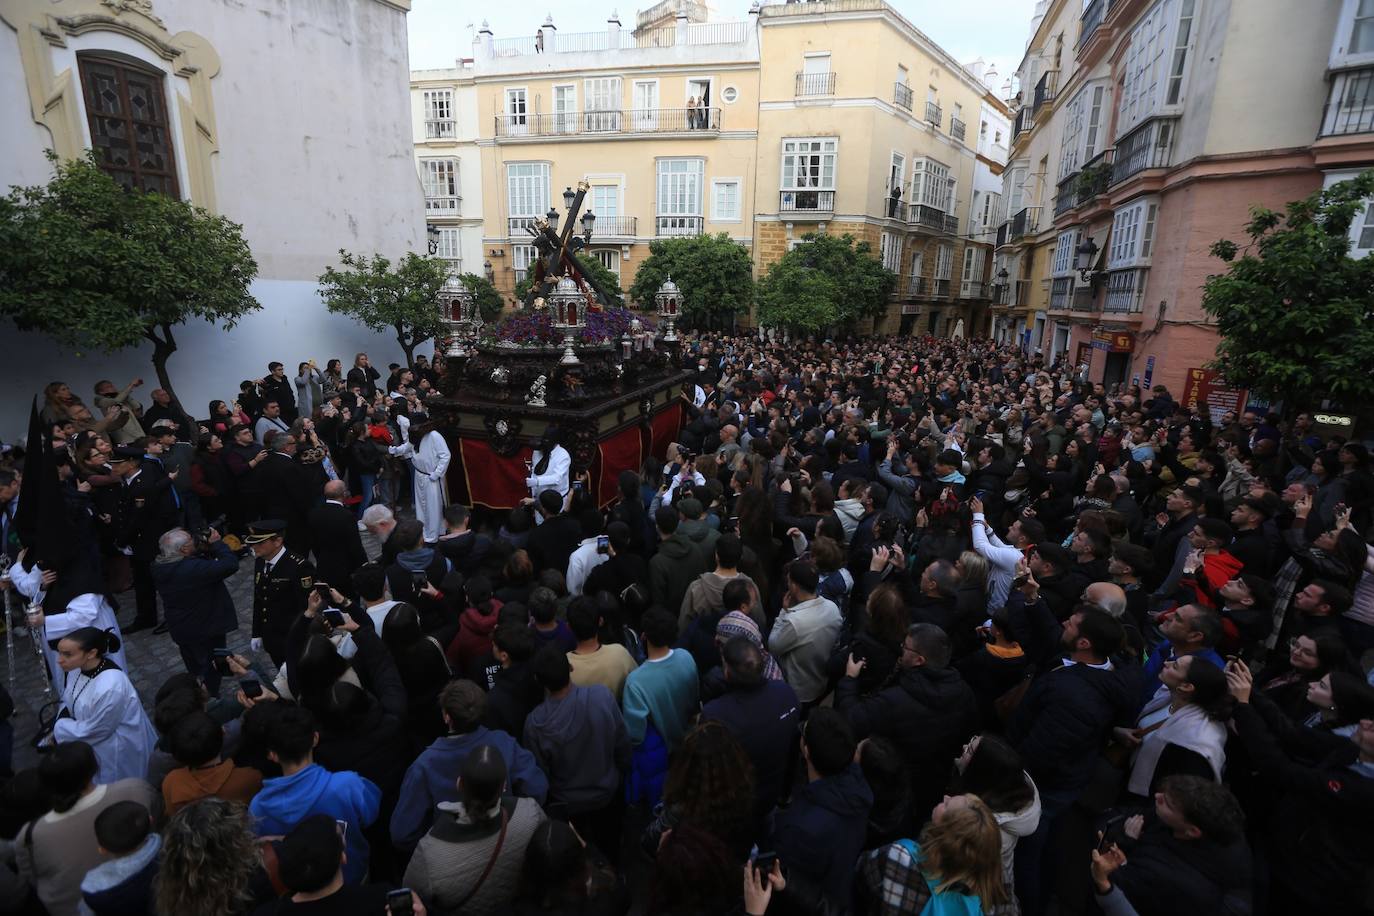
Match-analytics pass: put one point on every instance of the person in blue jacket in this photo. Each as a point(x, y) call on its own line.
point(306, 788)
point(433, 777)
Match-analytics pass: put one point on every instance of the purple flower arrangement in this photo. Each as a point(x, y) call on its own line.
point(535, 327)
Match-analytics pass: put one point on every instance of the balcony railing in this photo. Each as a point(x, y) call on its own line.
point(1023, 223)
point(1082, 186)
point(972, 289)
point(675, 226)
point(615, 227)
point(1044, 90)
point(939, 288)
point(1022, 296)
point(1002, 234)
point(896, 209)
point(441, 129)
point(901, 95)
point(931, 218)
point(1092, 18)
point(813, 84)
point(1125, 290)
point(1061, 290)
point(1350, 104)
point(442, 206)
point(806, 201)
point(519, 226)
point(556, 42)
point(957, 130)
point(1084, 299)
point(1025, 121)
point(1149, 146)
point(933, 114)
point(599, 123)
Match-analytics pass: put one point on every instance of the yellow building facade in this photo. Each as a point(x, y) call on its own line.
point(802, 118)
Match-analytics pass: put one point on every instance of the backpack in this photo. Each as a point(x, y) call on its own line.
point(944, 903)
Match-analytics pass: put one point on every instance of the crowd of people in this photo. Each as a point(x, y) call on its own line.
point(898, 625)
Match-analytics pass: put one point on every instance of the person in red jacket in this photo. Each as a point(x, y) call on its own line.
point(475, 626)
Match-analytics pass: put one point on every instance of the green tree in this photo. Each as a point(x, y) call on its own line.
point(715, 274)
point(826, 280)
point(1294, 309)
point(490, 305)
point(97, 266)
point(591, 267)
point(403, 298)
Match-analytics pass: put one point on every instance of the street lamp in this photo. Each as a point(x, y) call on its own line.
point(1083, 259)
point(588, 220)
point(668, 298)
point(488, 271)
point(569, 315)
point(552, 215)
point(432, 234)
point(569, 195)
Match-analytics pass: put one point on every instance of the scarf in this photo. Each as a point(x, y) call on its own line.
point(1189, 728)
point(736, 624)
point(952, 477)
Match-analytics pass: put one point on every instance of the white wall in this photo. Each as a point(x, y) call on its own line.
point(314, 127)
point(292, 327)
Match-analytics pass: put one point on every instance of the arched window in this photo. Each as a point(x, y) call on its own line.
point(131, 131)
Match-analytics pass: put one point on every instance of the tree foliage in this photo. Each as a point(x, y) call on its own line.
point(403, 298)
point(490, 305)
point(1294, 309)
point(589, 266)
point(826, 280)
point(97, 266)
point(715, 274)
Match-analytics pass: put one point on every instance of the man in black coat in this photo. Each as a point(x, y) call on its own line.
point(334, 537)
point(552, 543)
point(287, 492)
point(928, 713)
point(147, 510)
point(989, 478)
point(1052, 567)
point(195, 602)
point(282, 583)
point(277, 387)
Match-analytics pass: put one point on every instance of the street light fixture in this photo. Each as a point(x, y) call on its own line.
point(1083, 260)
point(588, 220)
point(569, 195)
point(432, 235)
point(458, 308)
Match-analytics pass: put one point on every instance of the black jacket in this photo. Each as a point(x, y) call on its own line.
point(1162, 872)
point(1065, 718)
point(147, 510)
point(366, 378)
point(337, 545)
point(552, 543)
point(279, 598)
point(513, 696)
point(763, 718)
point(287, 494)
point(195, 602)
point(821, 834)
point(280, 390)
point(990, 676)
point(927, 714)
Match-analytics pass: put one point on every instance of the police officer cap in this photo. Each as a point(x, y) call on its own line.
point(127, 453)
point(265, 530)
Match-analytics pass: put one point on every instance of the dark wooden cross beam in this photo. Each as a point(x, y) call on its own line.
point(555, 259)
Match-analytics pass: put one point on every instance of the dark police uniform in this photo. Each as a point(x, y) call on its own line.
point(279, 592)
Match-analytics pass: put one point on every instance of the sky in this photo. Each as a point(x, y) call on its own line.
point(442, 30)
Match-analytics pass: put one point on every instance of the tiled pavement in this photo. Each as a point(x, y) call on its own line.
point(152, 659)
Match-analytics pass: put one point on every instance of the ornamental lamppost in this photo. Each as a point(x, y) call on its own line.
point(459, 309)
point(568, 310)
point(669, 298)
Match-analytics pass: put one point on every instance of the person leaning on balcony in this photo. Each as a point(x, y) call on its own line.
point(539, 41)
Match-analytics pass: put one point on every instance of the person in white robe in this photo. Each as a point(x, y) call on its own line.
point(85, 610)
point(550, 469)
point(430, 462)
point(101, 707)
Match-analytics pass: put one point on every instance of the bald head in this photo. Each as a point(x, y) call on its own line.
point(1111, 598)
point(335, 489)
point(729, 433)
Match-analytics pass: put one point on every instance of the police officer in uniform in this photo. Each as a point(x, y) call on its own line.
point(147, 510)
point(282, 583)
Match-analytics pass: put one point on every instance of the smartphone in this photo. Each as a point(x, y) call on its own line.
point(603, 544)
point(1019, 581)
point(251, 687)
point(335, 617)
point(399, 902)
point(220, 659)
point(417, 581)
point(763, 862)
point(1113, 832)
point(322, 589)
point(577, 485)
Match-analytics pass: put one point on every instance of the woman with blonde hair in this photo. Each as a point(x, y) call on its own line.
point(959, 855)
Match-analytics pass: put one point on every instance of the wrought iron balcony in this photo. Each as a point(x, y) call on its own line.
point(957, 130)
point(939, 288)
point(1149, 146)
point(933, 114)
point(1023, 223)
point(798, 202)
point(1125, 290)
point(1002, 234)
point(1044, 90)
point(1022, 293)
point(1085, 184)
point(627, 122)
point(1061, 290)
point(676, 226)
point(1025, 121)
point(815, 84)
point(1084, 299)
point(1349, 105)
point(1093, 15)
point(616, 227)
point(931, 218)
point(901, 95)
point(973, 289)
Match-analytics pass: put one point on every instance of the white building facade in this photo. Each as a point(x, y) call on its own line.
point(290, 119)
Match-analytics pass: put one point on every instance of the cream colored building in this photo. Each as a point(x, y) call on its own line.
point(443, 117)
point(801, 118)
